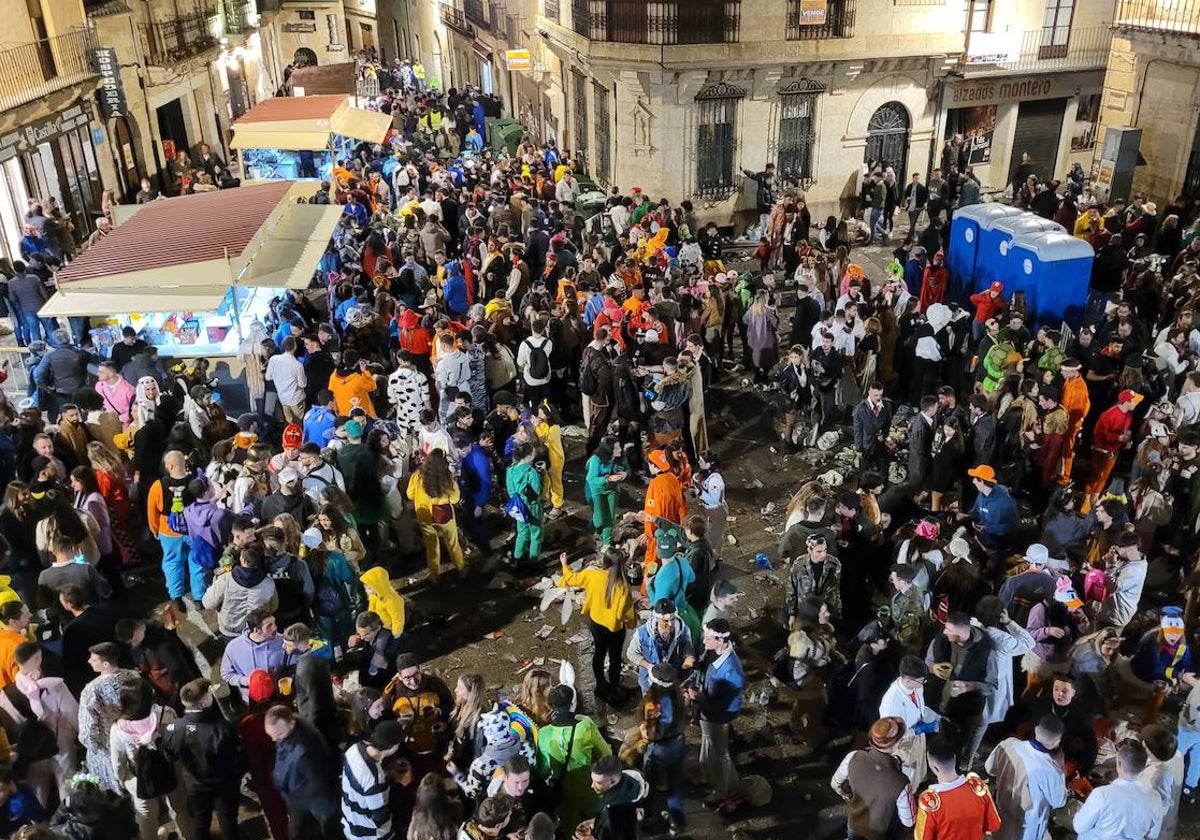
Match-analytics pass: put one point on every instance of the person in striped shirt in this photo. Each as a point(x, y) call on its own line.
point(366, 789)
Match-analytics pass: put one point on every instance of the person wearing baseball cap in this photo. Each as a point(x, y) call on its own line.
point(995, 511)
point(289, 498)
point(366, 786)
point(988, 304)
point(873, 784)
point(1110, 436)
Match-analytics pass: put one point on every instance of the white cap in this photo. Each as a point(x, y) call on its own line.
point(1037, 554)
point(289, 476)
point(312, 538)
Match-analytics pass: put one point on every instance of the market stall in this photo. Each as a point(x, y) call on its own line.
point(300, 137)
point(192, 288)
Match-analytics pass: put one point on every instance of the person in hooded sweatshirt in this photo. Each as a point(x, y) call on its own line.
point(289, 498)
point(247, 587)
point(312, 685)
point(620, 791)
point(454, 291)
point(258, 648)
point(207, 747)
point(293, 579)
point(209, 529)
point(384, 600)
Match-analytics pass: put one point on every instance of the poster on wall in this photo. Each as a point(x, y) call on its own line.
point(977, 125)
point(1087, 123)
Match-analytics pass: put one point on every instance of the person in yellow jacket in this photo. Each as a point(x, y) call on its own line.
point(609, 608)
point(550, 433)
point(383, 599)
point(434, 493)
point(7, 593)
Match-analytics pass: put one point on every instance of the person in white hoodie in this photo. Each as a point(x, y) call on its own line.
point(47, 699)
point(1009, 641)
point(142, 723)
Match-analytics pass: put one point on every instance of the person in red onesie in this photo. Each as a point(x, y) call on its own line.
point(1110, 436)
point(955, 807)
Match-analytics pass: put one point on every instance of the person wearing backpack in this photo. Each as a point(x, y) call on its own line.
point(533, 360)
point(165, 503)
point(150, 779)
point(207, 750)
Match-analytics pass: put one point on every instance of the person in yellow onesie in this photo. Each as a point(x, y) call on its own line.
point(664, 500)
point(549, 432)
point(383, 599)
point(1077, 404)
point(434, 493)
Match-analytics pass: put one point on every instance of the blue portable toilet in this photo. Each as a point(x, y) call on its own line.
point(991, 263)
point(964, 243)
point(1054, 270)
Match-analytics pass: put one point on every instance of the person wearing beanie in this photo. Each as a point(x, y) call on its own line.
point(1126, 568)
point(873, 785)
point(366, 788)
point(674, 574)
point(1029, 781)
point(719, 699)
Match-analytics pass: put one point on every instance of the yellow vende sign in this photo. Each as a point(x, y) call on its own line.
point(519, 59)
point(813, 12)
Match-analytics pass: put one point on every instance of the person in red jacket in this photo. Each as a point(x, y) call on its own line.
point(1110, 436)
point(988, 304)
point(934, 282)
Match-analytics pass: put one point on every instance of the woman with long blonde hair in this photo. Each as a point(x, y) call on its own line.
point(533, 697)
point(470, 702)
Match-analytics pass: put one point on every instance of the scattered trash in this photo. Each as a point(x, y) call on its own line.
point(755, 484)
point(731, 519)
point(762, 561)
point(578, 638)
point(731, 539)
point(769, 509)
point(495, 634)
point(544, 631)
point(774, 451)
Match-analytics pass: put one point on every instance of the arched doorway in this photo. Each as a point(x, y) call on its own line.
point(128, 166)
point(887, 137)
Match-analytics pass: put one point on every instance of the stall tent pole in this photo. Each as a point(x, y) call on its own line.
point(237, 318)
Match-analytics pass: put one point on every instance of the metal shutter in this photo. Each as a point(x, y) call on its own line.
point(1039, 128)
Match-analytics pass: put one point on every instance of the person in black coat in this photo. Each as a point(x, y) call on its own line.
point(807, 313)
point(318, 367)
point(303, 774)
point(312, 685)
point(89, 625)
point(207, 748)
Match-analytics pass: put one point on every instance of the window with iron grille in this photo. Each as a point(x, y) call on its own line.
point(579, 86)
point(838, 22)
point(716, 139)
point(1056, 28)
point(581, 19)
point(666, 22)
point(797, 135)
point(603, 157)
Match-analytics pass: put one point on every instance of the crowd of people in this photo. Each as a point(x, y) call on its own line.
point(1005, 580)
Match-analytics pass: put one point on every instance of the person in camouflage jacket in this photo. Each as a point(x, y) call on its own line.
point(908, 610)
point(816, 574)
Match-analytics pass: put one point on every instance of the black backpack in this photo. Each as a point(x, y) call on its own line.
point(154, 774)
point(539, 362)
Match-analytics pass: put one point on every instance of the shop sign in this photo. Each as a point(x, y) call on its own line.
point(519, 59)
point(300, 26)
point(1020, 88)
point(111, 95)
point(993, 48)
point(28, 138)
point(813, 12)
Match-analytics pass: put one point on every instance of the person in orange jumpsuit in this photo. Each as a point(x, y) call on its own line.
point(664, 499)
point(1077, 404)
point(1110, 436)
point(954, 807)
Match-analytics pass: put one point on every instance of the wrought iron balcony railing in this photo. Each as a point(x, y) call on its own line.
point(33, 70)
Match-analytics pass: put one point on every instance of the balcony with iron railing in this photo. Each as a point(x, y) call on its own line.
point(639, 22)
point(454, 17)
point(804, 24)
point(31, 71)
point(238, 18)
point(1083, 49)
point(1177, 17)
point(175, 39)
